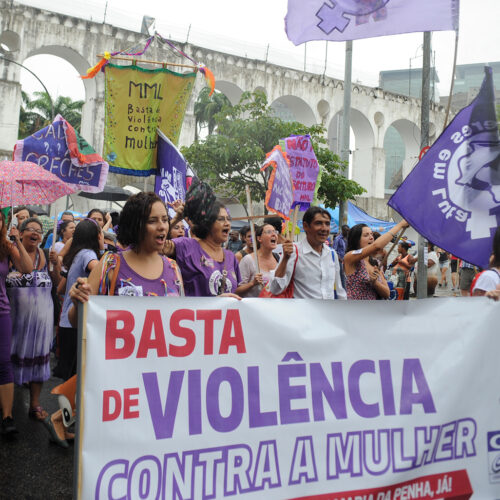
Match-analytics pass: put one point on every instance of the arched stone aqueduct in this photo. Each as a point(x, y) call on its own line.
point(310, 97)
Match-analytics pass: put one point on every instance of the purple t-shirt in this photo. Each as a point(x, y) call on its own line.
point(130, 283)
point(202, 275)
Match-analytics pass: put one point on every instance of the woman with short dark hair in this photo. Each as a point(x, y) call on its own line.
point(139, 270)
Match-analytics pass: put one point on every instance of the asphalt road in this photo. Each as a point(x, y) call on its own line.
point(31, 467)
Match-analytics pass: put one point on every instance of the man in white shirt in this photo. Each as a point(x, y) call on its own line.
point(317, 273)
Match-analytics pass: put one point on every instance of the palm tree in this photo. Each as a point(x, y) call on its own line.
point(205, 109)
point(37, 113)
point(29, 121)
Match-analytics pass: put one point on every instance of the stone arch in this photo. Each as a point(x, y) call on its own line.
point(294, 108)
point(361, 159)
point(90, 85)
point(402, 147)
point(230, 90)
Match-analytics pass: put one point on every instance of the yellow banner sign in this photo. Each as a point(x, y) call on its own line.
point(138, 101)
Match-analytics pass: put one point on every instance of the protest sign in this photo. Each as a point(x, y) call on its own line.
point(279, 194)
point(211, 397)
point(452, 196)
point(353, 19)
point(138, 101)
point(61, 150)
point(170, 181)
point(304, 168)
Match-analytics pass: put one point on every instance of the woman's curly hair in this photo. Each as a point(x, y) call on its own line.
point(201, 208)
point(134, 217)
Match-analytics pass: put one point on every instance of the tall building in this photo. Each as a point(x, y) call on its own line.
point(468, 79)
point(408, 82)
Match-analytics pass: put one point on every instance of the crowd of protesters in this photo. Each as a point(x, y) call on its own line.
point(197, 253)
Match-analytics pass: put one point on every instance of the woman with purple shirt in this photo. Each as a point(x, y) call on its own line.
point(18, 255)
point(141, 270)
point(207, 268)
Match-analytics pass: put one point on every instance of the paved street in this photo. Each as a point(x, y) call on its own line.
point(32, 468)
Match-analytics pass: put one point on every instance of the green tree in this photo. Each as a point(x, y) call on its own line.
point(205, 109)
point(29, 121)
point(230, 159)
point(36, 112)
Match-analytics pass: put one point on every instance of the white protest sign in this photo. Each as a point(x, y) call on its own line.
point(269, 398)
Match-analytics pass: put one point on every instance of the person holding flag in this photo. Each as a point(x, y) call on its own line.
point(310, 266)
point(364, 279)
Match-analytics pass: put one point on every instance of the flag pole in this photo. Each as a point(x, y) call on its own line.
point(252, 228)
point(424, 142)
point(452, 84)
point(346, 125)
point(294, 221)
point(54, 238)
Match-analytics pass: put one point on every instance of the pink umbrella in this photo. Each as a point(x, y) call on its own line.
point(26, 183)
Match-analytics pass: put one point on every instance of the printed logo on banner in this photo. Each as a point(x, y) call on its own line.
point(334, 17)
point(494, 456)
point(472, 178)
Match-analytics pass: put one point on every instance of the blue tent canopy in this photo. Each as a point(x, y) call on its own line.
point(356, 216)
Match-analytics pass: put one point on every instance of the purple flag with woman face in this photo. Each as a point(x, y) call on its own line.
point(452, 196)
point(339, 20)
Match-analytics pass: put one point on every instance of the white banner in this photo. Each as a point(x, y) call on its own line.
point(264, 398)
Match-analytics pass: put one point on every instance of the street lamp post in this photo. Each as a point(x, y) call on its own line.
point(41, 83)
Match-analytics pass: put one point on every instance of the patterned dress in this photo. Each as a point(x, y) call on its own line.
point(32, 314)
point(358, 284)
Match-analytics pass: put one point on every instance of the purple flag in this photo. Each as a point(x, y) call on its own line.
point(279, 194)
point(170, 182)
point(452, 196)
point(339, 20)
point(304, 169)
